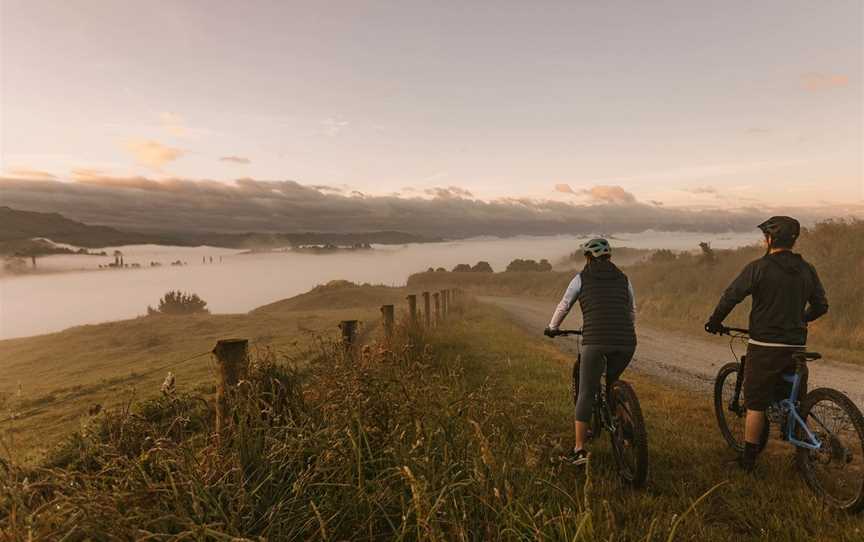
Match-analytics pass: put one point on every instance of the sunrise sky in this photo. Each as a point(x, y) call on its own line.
point(705, 103)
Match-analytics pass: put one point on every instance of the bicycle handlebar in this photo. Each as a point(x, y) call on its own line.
point(560, 332)
point(728, 330)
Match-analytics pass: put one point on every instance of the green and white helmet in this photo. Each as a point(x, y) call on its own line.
point(596, 247)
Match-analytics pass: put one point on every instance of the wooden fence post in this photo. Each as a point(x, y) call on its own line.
point(437, 298)
point(444, 304)
point(349, 332)
point(232, 356)
point(427, 309)
point(387, 314)
point(412, 309)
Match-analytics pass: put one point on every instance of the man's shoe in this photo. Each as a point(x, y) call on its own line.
point(577, 458)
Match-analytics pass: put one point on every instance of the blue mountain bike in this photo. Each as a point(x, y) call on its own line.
point(824, 426)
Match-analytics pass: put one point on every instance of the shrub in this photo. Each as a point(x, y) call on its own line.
point(462, 268)
point(482, 267)
point(529, 265)
point(177, 302)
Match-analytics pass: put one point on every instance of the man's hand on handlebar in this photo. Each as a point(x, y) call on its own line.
point(714, 327)
point(549, 332)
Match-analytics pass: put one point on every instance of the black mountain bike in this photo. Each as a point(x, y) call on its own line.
point(824, 426)
point(617, 410)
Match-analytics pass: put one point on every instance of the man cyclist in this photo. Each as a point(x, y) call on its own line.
point(787, 295)
point(608, 305)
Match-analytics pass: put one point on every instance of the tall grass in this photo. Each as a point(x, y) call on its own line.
point(451, 435)
point(409, 443)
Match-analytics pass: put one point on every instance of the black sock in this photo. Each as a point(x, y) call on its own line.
point(748, 459)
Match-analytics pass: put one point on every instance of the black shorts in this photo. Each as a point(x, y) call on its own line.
point(763, 371)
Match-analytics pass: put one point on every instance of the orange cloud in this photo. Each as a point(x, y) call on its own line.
point(564, 188)
point(153, 154)
point(30, 174)
point(610, 194)
point(823, 81)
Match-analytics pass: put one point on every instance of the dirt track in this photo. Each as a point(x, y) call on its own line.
point(682, 359)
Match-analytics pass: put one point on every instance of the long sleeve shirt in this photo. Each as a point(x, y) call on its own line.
point(571, 296)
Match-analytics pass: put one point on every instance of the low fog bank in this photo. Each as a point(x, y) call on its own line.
point(183, 205)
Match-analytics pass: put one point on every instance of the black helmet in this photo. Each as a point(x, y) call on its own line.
point(781, 228)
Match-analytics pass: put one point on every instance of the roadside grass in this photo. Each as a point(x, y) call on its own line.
point(49, 383)
point(454, 438)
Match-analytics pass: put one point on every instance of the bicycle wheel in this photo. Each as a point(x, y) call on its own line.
point(731, 417)
point(630, 439)
point(835, 472)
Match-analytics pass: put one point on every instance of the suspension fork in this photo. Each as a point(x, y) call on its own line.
point(734, 404)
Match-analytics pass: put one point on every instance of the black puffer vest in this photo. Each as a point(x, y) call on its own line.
point(605, 303)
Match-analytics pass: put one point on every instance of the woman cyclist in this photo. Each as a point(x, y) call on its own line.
point(608, 305)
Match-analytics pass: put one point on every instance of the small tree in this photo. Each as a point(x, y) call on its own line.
point(482, 267)
point(663, 255)
point(708, 254)
point(462, 268)
point(177, 302)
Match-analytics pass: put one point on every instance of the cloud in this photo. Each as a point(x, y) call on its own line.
point(334, 126)
point(703, 190)
point(757, 131)
point(823, 81)
point(153, 154)
point(181, 205)
point(564, 188)
point(610, 194)
point(449, 192)
point(174, 124)
point(32, 174)
point(236, 159)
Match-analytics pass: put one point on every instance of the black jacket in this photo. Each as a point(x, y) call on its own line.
point(782, 285)
point(606, 306)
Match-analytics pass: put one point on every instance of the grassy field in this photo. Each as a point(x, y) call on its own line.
point(680, 292)
point(48, 383)
point(453, 438)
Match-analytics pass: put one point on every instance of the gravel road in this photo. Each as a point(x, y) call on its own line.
point(684, 360)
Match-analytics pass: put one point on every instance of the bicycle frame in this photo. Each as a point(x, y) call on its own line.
point(786, 406)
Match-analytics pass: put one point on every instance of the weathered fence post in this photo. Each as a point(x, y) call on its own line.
point(232, 356)
point(349, 332)
point(427, 309)
point(437, 297)
point(387, 315)
point(444, 304)
point(412, 309)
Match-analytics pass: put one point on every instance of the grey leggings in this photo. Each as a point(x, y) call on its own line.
point(596, 358)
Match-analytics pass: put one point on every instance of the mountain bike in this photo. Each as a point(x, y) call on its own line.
point(824, 426)
point(617, 410)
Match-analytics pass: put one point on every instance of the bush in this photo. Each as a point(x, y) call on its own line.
point(177, 302)
point(462, 268)
point(482, 267)
point(529, 265)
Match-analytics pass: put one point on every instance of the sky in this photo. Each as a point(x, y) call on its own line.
point(693, 104)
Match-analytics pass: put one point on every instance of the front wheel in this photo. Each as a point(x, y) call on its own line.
point(730, 410)
point(836, 470)
point(630, 438)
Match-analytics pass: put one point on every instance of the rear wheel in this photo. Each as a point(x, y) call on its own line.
point(836, 470)
point(630, 439)
point(731, 413)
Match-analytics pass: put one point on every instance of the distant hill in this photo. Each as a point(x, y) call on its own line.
point(17, 225)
